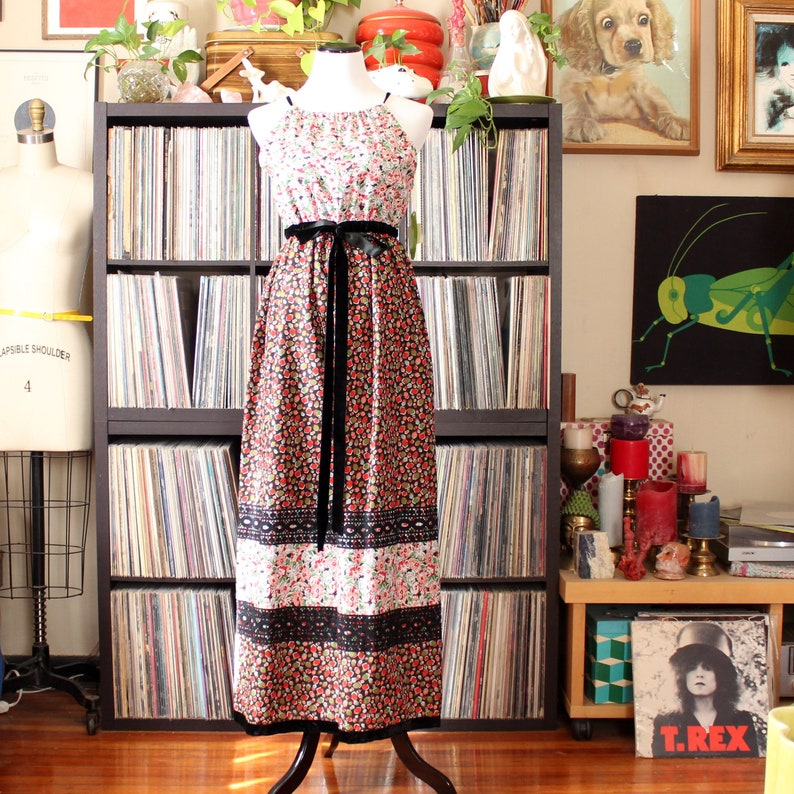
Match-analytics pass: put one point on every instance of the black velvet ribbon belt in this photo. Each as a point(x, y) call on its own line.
point(332, 440)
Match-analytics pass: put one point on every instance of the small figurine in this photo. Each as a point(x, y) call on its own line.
point(262, 92)
point(520, 66)
point(672, 561)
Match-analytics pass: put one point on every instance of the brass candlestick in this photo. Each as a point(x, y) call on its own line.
point(702, 559)
point(630, 501)
point(578, 466)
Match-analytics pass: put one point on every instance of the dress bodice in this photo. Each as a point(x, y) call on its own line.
point(356, 165)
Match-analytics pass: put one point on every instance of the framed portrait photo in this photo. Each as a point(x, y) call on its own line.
point(755, 85)
point(83, 19)
point(631, 83)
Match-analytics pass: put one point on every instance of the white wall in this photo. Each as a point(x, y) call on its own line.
point(748, 431)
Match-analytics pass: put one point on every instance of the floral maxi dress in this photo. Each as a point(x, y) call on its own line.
point(338, 613)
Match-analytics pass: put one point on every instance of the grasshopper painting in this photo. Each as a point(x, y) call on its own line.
point(757, 301)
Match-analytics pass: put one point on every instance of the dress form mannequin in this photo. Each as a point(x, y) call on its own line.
point(338, 95)
point(340, 83)
point(45, 350)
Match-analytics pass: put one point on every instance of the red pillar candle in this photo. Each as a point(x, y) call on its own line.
point(691, 472)
point(629, 458)
point(657, 513)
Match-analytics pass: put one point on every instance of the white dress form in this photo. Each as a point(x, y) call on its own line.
point(340, 83)
point(45, 239)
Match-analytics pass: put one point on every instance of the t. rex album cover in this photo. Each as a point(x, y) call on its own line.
point(701, 684)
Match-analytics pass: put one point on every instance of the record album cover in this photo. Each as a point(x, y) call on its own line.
point(701, 685)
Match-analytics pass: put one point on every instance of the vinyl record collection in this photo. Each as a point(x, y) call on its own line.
point(455, 223)
point(172, 652)
point(488, 351)
point(491, 510)
point(151, 328)
point(493, 657)
point(192, 203)
point(223, 341)
point(165, 182)
point(174, 509)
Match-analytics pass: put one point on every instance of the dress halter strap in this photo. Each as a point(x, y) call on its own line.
point(292, 104)
point(360, 235)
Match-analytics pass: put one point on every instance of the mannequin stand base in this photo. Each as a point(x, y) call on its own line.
point(36, 672)
point(402, 745)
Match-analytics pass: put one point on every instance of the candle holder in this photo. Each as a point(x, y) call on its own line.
point(702, 560)
point(630, 501)
point(578, 466)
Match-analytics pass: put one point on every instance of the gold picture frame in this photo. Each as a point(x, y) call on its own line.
point(631, 86)
point(751, 94)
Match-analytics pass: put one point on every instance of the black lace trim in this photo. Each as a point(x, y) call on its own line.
point(369, 530)
point(348, 632)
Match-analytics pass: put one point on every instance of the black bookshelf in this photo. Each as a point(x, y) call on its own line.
point(123, 424)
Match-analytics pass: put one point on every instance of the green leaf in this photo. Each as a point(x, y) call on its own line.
point(190, 56)
point(307, 61)
point(433, 95)
point(180, 70)
point(148, 52)
point(460, 137)
point(378, 49)
point(281, 7)
point(318, 14)
point(170, 29)
point(293, 16)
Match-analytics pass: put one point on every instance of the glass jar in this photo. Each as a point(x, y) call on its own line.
point(457, 66)
point(143, 81)
point(483, 45)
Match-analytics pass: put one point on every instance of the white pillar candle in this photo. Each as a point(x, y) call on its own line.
point(577, 437)
point(610, 506)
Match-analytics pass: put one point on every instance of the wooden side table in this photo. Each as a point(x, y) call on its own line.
point(769, 595)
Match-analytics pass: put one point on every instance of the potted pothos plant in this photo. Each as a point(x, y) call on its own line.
point(140, 53)
point(469, 110)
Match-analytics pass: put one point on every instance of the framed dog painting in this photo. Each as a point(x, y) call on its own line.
point(755, 85)
point(631, 83)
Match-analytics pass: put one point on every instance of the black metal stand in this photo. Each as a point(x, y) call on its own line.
point(36, 671)
point(406, 752)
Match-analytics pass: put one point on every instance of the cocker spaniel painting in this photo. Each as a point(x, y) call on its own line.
point(609, 44)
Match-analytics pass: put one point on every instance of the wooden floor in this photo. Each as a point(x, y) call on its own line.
point(44, 747)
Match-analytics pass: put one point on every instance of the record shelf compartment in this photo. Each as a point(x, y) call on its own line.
point(139, 596)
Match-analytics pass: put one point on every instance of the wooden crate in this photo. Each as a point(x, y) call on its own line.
point(276, 53)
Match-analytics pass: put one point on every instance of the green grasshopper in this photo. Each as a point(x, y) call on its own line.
point(755, 301)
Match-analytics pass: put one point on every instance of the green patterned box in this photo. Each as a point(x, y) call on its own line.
point(601, 692)
point(608, 673)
